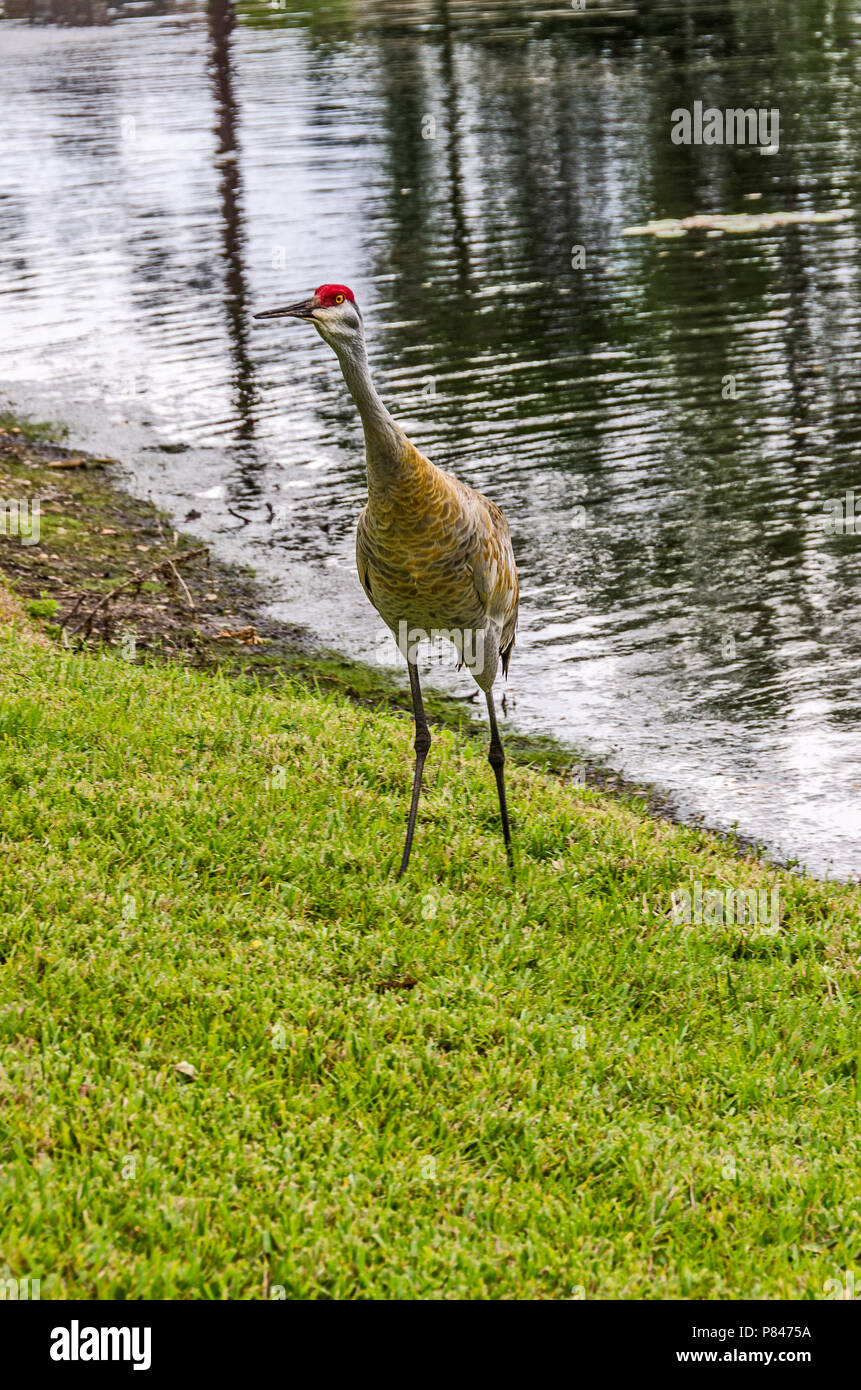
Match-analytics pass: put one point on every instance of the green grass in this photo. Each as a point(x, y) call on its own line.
point(452, 1086)
point(42, 608)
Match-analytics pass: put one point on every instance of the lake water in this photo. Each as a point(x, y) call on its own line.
point(663, 420)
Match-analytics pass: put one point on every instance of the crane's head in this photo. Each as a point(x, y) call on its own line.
point(333, 311)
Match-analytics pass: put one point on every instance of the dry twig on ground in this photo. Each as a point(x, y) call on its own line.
point(166, 570)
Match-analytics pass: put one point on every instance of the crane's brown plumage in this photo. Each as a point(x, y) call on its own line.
point(433, 554)
point(436, 555)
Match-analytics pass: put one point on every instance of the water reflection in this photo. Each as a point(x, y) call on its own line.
point(91, 12)
point(221, 22)
point(692, 402)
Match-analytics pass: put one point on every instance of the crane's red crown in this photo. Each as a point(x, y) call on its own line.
point(328, 295)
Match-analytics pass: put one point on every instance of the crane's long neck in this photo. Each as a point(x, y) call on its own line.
point(387, 446)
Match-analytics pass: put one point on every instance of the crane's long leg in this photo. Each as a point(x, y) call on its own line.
point(423, 743)
point(496, 758)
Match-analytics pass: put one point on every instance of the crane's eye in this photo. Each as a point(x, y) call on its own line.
point(339, 299)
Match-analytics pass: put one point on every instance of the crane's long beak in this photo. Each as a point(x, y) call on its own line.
point(303, 310)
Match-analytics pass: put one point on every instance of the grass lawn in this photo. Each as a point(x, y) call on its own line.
point(238, 1058)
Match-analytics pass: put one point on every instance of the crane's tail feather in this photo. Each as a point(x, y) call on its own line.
point(506, 657)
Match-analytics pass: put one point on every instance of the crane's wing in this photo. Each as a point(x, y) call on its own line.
point(362, 556)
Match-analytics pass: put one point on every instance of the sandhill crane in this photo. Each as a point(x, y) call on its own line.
point(434, 556)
